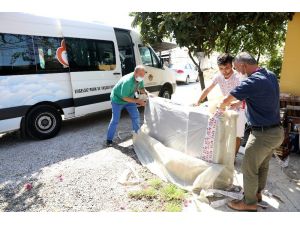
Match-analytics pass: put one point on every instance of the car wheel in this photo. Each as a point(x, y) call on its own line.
point(187, 80)
point(43, 122)
point(166, 93)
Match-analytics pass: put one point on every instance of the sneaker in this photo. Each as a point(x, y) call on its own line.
point(109, 143)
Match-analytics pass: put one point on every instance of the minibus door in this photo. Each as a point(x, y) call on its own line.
point(153, 71)
point(95, 69)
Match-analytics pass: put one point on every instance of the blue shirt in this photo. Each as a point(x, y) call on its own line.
point(261, 93)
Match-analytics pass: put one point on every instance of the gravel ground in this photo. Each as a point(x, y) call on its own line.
point(71, 172)
point(76, 172)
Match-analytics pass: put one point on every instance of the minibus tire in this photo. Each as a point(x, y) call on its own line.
point(23, 132)
point(165, 92)
point(43, 122)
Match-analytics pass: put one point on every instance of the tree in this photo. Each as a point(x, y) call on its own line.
point(196, 31)
point(257, 33)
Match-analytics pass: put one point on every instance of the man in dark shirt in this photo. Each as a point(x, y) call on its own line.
point(261, 93)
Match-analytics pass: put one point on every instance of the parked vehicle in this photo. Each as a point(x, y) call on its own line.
point(185, 72)
point(51, 68)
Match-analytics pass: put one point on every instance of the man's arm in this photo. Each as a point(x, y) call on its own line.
point(144, 91)
point(125, 93)
point(227, 101)
point(133, 100)
point(204, 93)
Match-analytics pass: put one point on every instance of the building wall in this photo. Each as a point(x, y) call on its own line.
point(290, 74)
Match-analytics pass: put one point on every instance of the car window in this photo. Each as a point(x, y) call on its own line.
point(90, 55)
point(146, 56)
point(149, 58)
point(154, 59)
point(16, 54)
point(51, 54)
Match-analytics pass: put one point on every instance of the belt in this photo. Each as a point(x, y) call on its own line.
point(262, 128)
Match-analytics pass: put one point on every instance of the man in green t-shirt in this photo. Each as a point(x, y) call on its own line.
point(125, 95)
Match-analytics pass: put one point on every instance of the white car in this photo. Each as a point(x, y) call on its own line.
point(185, 72)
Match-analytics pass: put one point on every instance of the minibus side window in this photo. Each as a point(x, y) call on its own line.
point(90, 55)
point(16, 54)
point(50, 54)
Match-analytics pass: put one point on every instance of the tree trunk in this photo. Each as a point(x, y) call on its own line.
point(200, 72)
point(258, 57)
point(201, 78)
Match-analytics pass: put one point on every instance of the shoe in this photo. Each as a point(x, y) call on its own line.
point(109, 143)
point(242, 206)
point(260, 202)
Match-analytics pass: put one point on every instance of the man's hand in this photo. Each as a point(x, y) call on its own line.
point(150, 95)
point(196, 104)
point(140, 102)
point(236, 105)
point(226, 102)
point(221, 106)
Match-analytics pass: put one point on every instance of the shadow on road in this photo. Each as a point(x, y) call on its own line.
point(19, 199)
point(20, 158)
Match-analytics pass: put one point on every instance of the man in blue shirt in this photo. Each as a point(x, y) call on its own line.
point(261, 93)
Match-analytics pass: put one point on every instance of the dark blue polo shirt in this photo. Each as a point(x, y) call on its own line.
point(261, 93)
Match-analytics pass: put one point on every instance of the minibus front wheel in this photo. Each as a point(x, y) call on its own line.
point(43, 122)
point(166, 92)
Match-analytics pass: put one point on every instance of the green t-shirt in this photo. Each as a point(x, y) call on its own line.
point(126, 87)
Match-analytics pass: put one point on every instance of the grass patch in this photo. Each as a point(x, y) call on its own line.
point(155, 183)
point(174, 206)
point(171, 192)
point(169, 195)
point(148, 193)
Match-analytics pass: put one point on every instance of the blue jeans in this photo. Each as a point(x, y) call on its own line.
point(116, 114)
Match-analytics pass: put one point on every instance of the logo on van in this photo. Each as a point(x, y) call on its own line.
point(61, 54)
point(150, 77)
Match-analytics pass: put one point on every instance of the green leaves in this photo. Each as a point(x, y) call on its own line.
point(257, 32)
point(207, 32)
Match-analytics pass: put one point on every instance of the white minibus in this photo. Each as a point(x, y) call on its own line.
point(53, 69)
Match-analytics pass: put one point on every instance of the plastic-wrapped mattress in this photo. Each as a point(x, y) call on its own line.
point(174, 138)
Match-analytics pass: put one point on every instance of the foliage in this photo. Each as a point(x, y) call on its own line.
point(274, 62)
point(258, 33)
